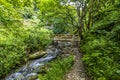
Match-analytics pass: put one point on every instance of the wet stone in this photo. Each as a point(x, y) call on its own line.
point(37, 55)
point(61, 45)
point(68, 44)
point(31, 76)
point(16, 76)
point(32, 68)
point(49, 51)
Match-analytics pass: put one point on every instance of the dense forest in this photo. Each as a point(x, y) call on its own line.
point(27, 26)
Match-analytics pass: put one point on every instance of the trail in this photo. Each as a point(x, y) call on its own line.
point(78, 71)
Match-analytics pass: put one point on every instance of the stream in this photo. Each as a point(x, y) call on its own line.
point(31, 69)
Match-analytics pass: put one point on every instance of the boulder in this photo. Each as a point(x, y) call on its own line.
point(49, 51)
point(37, 67)
point(61, 45)
point(68, 44)
point(49, 47)
point(32, 76)
point(15, 76)
point(37, 55)
point(19, 76)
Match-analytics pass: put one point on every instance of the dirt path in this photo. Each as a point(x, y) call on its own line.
point(77, 72)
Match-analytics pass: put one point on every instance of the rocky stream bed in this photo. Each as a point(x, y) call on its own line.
point(31, 69)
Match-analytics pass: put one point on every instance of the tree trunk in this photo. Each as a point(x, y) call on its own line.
point(80, 23)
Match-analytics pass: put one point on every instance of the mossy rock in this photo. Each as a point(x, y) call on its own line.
point(37, 55)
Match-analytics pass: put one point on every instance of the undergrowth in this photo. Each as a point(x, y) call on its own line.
point(101, 46)
point(57, 69)
point(16, 43)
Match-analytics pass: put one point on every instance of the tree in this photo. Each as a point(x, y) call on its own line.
point(60, 16)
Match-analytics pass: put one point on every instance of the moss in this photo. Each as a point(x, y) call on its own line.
point(37, 55)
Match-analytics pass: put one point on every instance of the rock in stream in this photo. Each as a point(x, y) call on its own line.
point(30, 70)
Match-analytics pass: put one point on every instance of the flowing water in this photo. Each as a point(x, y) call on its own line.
point(31, 69)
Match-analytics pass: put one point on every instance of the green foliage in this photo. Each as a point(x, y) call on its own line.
point(101, 58)
point(62, 18)
point(7, 13)
point(38, 39)
point(101, 45)
point(12, 48)
point(16, 3)
point(58, 68)
point(27, 12)
point(20, 3)
point(12, 10)
point(109, 21)
point(15, 42)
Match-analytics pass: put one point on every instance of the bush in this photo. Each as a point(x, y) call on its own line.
point(15, 39)
point(57, 69)
point(13, 44)
point(12, 49)
point(101, 59)
point(101, 46)
point(38, 39)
